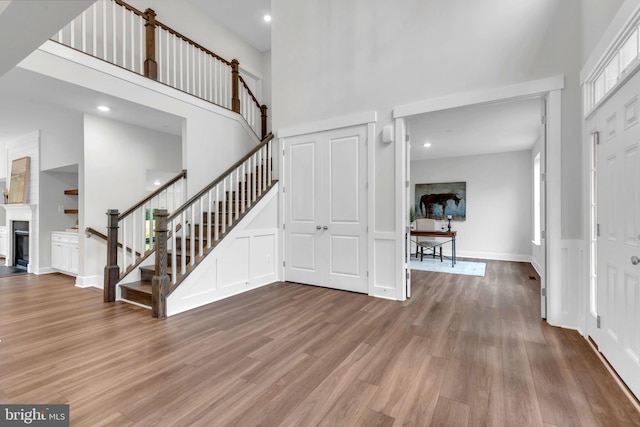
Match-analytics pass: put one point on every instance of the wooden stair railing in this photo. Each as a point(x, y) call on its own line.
point(90, 231)
point(119, 33)
point(185, 237)
point(133, 230)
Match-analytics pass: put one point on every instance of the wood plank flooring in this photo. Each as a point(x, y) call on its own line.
point(463, 351)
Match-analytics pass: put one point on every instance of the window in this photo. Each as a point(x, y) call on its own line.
point(616, 64)
point(629, 51)
point(536, 200)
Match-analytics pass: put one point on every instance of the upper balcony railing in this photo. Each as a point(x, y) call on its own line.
point(120, 34)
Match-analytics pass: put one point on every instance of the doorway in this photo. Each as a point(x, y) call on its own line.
point(615, 231)
point(548, 92)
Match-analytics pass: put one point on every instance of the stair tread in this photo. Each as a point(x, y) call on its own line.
point(139, 286)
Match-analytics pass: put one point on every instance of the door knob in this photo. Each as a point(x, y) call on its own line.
point(325, 227)
point(318, 227)
point(635, 260)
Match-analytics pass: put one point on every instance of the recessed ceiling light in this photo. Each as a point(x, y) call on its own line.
point(267, 18)
point(103, 108)
point(427, 144)
point(157, 182)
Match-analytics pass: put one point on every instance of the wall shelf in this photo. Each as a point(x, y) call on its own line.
point(72, 192)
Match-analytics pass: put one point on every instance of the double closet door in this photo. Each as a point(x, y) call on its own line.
point(325, 209)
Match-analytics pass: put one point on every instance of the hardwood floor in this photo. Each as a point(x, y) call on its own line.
point(463, 351)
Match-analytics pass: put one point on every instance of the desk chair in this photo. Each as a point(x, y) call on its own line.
point(424, 243)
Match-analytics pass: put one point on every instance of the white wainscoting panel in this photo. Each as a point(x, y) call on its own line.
point(385, 284)
point(244, 260)
point(567, 297)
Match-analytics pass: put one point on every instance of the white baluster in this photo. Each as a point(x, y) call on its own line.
point(201, 227)
point(94, 13)
point(209, 218)
point(269, 165)
point(113, 32)
point(83, 30)
point(124, 37)
point(174, 246)
point(254, 174)
point(124, 243)
point(243, 187)
point(217, 214)
point(105, 32)
point(230, 199)
point(183, 243)
point(133, 40)
point(72, 30)
point(192, 235)
point(223, 198)
point(172, 237)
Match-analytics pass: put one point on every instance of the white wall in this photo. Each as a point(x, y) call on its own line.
point(60, 129)
point(498, 223)
point(596, 15)
point(188, 20)
point(116, 158)
point(332, 58)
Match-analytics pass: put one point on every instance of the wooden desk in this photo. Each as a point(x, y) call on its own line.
point(438, 233)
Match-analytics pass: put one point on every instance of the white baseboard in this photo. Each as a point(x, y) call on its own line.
point(492, 256)
point(536, 266)
point(89, 282)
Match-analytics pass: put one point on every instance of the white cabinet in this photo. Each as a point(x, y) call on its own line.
point(3, 241)
point(64, 252)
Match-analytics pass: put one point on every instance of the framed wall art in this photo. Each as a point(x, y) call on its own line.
point(19, 181)
point(439, 200)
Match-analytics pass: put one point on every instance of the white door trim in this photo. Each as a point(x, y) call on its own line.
point(551, 88)
point(482, 96)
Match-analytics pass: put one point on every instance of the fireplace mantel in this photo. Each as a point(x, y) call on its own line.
point(19, 212)
point(22, 212)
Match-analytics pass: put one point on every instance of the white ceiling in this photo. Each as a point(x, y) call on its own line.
point(490, 128)
point(242, 17)
point(23, 86)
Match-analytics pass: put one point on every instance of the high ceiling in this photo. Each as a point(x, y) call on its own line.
point(242, 17)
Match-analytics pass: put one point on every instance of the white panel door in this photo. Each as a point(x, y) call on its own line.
point(303, 226)
point(325, 209)
point(345, 209)
point(618, 182)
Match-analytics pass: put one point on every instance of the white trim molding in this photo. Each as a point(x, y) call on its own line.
point(482, 96)
point(355, 119)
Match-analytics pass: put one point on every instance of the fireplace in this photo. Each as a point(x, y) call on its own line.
point(21, 244)
point(22, 234)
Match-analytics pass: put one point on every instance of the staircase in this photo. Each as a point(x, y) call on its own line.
point(183, 233)
point(193, 232)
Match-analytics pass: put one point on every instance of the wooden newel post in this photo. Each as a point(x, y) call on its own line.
point(235, 97)
point(263, 110)
point(160, 281)
point(150, 65)
point(112, 270)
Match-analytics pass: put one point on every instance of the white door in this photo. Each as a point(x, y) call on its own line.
point(326, 209)
point(542, 208)
point(618, 213)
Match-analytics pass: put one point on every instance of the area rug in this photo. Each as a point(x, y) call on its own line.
point(462, 267)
